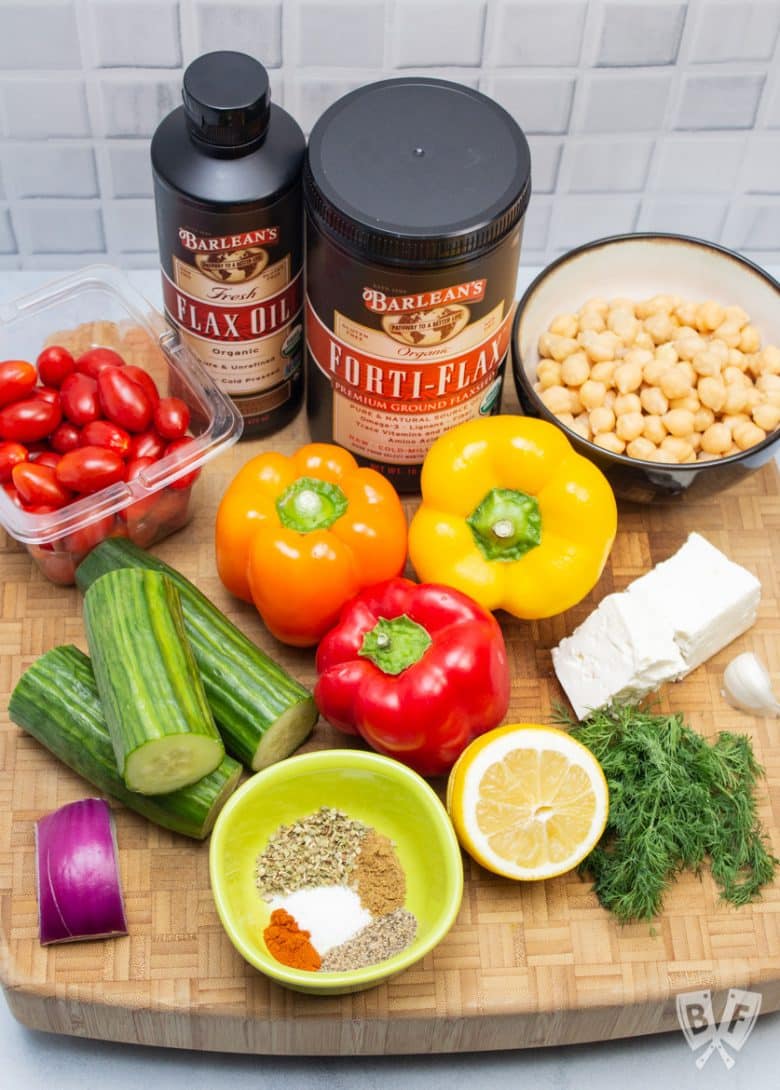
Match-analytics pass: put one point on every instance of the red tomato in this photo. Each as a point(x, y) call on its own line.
point(188, 478)
point(47, 393)
point(124, 401)
point(64, 438)
point(172, 417)
point(46, 458)
point(54, 365)
point(13, 495)
point(98, 359)
point(89, 469)
point(147, 444)
point(39, 484)
point(138, 465)
point(81, 541)
point(17, 378)
point(102, 433)
point(145, 381)
point(30, 420)
point(79, 399)
point(11, 454)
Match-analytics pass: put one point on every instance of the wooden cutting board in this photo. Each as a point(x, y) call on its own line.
point(524, 965)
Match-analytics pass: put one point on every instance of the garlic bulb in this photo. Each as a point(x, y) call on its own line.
point(747, 686)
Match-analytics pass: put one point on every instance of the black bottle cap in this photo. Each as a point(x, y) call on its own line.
point(227, 99)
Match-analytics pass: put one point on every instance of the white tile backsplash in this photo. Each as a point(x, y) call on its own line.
point(640, 114)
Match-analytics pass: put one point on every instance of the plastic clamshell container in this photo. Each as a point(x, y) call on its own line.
point(97, 306)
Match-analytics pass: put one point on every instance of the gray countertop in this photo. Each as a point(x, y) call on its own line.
point(36, 1061)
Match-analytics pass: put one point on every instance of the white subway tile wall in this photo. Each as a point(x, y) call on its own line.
point(641, 114)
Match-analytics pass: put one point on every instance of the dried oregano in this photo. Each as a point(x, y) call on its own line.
point(318, 850)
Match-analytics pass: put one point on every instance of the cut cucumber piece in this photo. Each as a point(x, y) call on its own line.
point(262, 713)
point(56, 702)
point(150, 689)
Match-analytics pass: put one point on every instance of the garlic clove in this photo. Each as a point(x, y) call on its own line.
point(748, 687)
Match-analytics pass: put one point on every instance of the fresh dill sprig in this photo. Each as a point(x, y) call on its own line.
point(675, 800)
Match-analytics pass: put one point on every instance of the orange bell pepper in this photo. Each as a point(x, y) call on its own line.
point(301, 535)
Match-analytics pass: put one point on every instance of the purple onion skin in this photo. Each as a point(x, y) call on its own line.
point(79, 889)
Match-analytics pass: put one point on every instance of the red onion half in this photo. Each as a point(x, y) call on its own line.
point(79, 891)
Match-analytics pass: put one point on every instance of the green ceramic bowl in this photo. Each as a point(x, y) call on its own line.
point(376, 790)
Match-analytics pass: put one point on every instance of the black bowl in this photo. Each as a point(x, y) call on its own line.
point(639, 266)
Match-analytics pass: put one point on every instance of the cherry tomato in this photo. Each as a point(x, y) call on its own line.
point(64, 438)
point(46, 458)
point(17, 378)
point(79, 399)
point(30, 420)
point(81, 541)
point(143, 526)
point(47, 393)
point(39, 484)
point(102, 433)
point(11, 454)
point(146, 444)
point(89, 469)
point(123, 401)
point(98, 359)
point(144, 380)
point(187, 479)
point(11, 491)
point(172, 417)
point(54, 365)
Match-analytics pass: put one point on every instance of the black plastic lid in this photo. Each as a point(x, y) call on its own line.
point(227, 99)
point(417, 171)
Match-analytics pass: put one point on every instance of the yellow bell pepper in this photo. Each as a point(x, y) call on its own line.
point(512, 516)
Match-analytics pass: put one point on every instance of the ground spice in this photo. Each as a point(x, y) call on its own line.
point(289, 944)
point(379, 940)
point(318, 850)
point(378, 876)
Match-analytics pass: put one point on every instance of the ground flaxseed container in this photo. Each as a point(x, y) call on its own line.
point(227, 169)
point(415, 191)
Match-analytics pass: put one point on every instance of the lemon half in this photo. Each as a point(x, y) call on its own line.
point(527, 801)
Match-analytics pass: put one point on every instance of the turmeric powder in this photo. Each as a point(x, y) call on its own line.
point(289, 944)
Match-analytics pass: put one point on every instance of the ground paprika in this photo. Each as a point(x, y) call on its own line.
point(289, 944)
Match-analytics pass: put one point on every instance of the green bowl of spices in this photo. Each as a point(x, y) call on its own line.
point(335, 870)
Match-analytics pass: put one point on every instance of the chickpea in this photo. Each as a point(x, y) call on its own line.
point(628, 377)
point(695, 440)
point(675, 383)
point(770, 360)
point(679, 422)
point(746, 434)
point(575, 369)
point(567, 419)
point(629, 426)
point(676, 448)
point(732, 376)
point(685, 367)
point(685, 332)
point(601, 420)
point(661, 327)
point(557, 399)
point(582, 426)
point(657, 305)
point(644, 340)
point(560, 347)
point(627, 403)
point(690, 403)
point(623, 324)
point(686, 314)
point(544, 345)
point(766, 416)
point(753, 397)
point(653, 400)
point(601, 306)
point(548, 373)
point(703, 418)
point(707, 363)
point(730, 333)
point(565, 325)
point(591, 321)
point(768, 382)
point(609, 399)
point(575, 402)
point(736, 400)
point(592, 393)
point(716, 439)
point(609, 441)
point(641, 448)
point(652, 372)
point(687, 347)
point(712, 393)
point(603, 372)
point(666, 353)
point(709, 316)
point(736, 315)
point(654, 429)
point(739, 358)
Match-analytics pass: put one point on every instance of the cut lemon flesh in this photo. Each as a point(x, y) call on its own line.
point(527, 801)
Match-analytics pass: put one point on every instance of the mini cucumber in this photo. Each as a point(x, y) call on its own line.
point(150, 689)
point(56, 701)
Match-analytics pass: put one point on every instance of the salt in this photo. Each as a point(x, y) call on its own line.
point(331, 914)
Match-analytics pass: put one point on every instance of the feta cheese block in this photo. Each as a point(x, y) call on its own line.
point(707, 599)
point(665, 624)
point(620, 653)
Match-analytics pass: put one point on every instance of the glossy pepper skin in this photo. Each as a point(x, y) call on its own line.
point(512, 516)
point(301, 535)
point(417, 670)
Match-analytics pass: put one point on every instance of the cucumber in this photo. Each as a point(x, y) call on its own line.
point(152, 696)
point(262, 713)
point(56, 701)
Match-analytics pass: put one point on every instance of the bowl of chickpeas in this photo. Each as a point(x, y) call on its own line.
point(659, 357)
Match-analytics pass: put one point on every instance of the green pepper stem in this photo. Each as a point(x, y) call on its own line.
point(506, 524)
point(394, 645)
point(310, 504)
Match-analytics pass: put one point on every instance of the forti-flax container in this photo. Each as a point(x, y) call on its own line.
point(415, 192)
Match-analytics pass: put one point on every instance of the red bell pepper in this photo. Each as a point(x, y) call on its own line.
point(417, 670)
